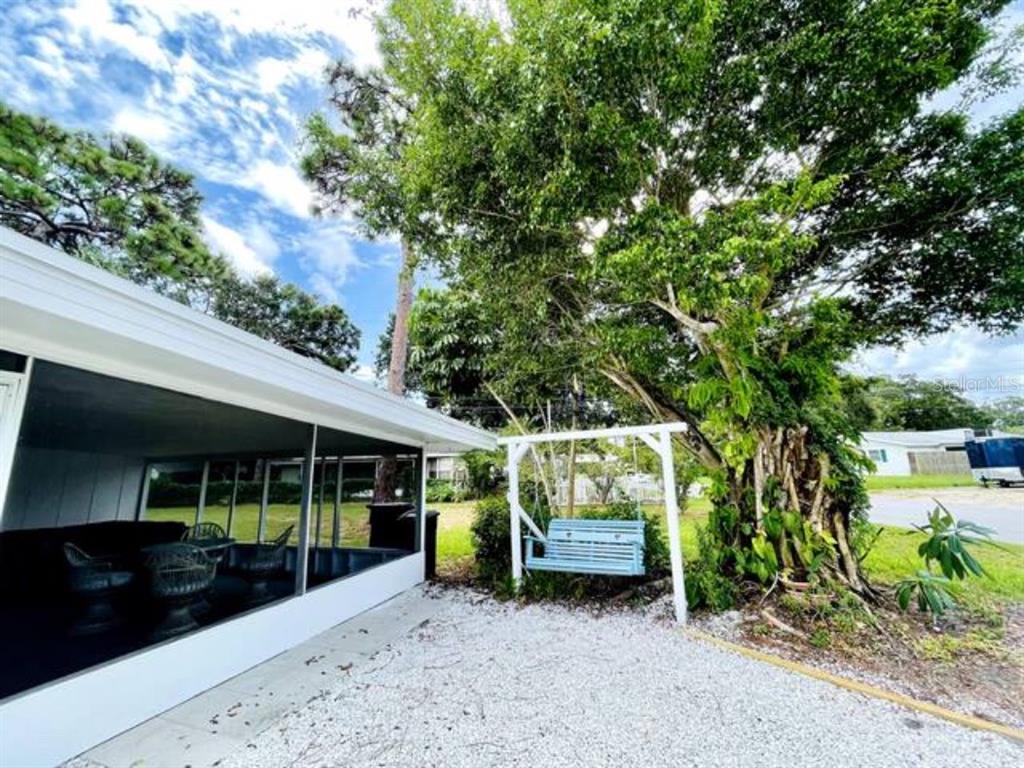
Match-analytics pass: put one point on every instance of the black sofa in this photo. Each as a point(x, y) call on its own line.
point(32, 562)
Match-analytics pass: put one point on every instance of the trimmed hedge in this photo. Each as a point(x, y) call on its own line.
point(167, 493)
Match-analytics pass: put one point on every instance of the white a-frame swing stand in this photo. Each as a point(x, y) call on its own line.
point(657, 436)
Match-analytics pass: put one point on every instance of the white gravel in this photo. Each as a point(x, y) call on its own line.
point(489, 684)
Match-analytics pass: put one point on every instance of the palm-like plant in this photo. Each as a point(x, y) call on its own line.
point(931, 590)
point(946, 544)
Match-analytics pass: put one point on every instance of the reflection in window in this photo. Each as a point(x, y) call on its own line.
point(174, 492)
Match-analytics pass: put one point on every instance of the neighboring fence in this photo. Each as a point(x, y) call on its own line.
point(939, 463)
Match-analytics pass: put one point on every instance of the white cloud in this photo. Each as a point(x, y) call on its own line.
point(364, 372)
point(252, 254)
point(94, 21)
point(274, 73)
point(328, 260)
point(984, 367)
point(281, 185)
point(150, 127)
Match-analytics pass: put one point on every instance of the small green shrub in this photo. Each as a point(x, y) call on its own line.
point(706, 587)
point(444, 491)
point(932, 593)
point(492, 537)
point(820, 638)
point(947, 544)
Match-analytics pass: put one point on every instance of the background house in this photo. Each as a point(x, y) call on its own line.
point(938, 451)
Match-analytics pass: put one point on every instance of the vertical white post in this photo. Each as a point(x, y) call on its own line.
point(261, 525)
point(336, 525)
point(422, 511)
point(675, 545)
point(319, 511)
point(513, 506)
point(234, 498)
point(305, 509)
point(140, 510)
point(201, 505)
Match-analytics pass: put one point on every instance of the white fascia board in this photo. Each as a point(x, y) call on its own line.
point(56, 307)
point(594, 434)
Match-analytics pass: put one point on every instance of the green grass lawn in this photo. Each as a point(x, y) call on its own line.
point(355, 521)
point(885, 483)
point(893, 557)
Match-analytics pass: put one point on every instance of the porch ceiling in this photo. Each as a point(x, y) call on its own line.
point(71, 409)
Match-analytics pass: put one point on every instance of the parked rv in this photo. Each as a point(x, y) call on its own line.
point(998, 460)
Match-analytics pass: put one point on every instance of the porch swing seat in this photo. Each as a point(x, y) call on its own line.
point(600, 547)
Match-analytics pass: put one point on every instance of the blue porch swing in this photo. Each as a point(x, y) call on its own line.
point(601, 547)
point(595, 547)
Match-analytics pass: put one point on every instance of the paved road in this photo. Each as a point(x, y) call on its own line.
point(1001, 509)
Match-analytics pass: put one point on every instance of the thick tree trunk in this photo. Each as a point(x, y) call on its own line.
point(386, 480)
point(787, 475)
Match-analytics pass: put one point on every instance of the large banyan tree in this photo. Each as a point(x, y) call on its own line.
point(709, 207)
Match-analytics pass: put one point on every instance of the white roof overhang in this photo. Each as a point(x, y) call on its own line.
point(59, 308)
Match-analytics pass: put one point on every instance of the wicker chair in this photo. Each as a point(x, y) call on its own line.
point(179, 573)
point(266, 560)
point(204, 531)
point(94, 582)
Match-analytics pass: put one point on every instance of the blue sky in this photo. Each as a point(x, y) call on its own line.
point(222, 88)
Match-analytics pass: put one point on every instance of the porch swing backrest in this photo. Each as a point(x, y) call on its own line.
point(610, 547)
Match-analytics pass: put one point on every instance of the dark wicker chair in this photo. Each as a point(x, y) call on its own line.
point(263, 563)
point(179, 573)
point(94, 583)
point(204, 531)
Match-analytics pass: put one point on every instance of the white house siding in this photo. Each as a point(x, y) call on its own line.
point(51, 488)
point(896, 460)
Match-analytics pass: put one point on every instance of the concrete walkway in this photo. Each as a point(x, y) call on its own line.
point(205, 730)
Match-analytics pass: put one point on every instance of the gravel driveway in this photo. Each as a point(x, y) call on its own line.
point(1001, 509)
point(489, 684)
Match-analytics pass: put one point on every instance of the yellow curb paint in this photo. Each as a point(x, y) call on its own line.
point(968, 721)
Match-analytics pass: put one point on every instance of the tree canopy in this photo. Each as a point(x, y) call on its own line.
point(911, 404)
point(113, 203)
point(708, 207)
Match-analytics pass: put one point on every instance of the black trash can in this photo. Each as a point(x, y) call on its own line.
point(389, 526)
point(430, 554)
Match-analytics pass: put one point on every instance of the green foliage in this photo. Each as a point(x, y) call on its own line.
point(947, 544)
point(492, 539)
point(1008, 414)
point(113, 203)
point(483, 471)
point(289, 317)
point(820, 638)
point(701, 211)
point(109, 201)
point(449, 340)
point(907, 403)
point(931, 591)
point(444, 491)
point(706, 586)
